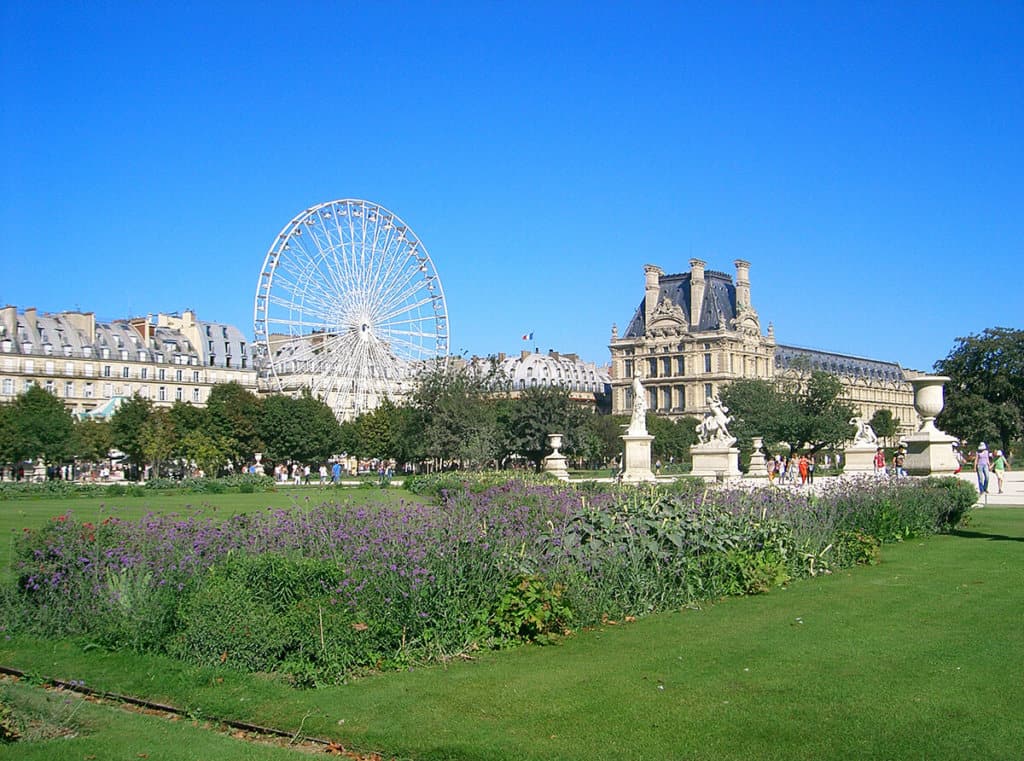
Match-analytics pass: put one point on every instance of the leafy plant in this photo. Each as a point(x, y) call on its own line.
point(530, 610)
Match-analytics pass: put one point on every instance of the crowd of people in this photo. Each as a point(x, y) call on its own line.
point(301, 474)
point(787, 470)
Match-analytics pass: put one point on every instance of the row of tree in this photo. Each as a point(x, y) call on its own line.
point(459, 418)
point(454, 419)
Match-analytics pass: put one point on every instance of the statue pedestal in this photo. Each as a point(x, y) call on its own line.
point(636, 467)
point(716, 460)
point(757, 464)
point(859, 458)
point(930, 453)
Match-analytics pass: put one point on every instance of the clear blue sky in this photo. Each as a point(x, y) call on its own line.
point(866, 158)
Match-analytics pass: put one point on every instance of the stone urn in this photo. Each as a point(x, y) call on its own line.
point(928, 398)
point(929, 451)
point(554, 463)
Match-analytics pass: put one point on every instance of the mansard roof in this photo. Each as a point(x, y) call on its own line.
point(553, 369)
point(718, 309)
point(788, 357)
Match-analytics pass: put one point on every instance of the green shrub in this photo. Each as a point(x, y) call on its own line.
point(955, 498)
point(531, 610)
point(856, 548)
point(755, 571)
point(9, 725)
point(276, 614)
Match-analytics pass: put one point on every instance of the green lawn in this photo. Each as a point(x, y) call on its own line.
point(919, 657)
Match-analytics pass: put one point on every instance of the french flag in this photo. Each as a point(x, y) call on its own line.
point(527, 336)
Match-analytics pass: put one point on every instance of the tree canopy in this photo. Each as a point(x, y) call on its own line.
point(539, 411)
point(36, 426)
point(803, 413)
point(985, 394)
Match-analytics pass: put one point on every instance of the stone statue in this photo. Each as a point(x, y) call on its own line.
point(638, 422)
point(714, 429)
point(865, 433)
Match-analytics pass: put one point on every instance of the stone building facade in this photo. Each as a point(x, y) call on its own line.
point(697, 331)
point(92, 365)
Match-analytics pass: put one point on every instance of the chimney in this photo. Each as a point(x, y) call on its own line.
point(9, 319)
point(30, 318)
point(696, 290)
point(742, 285)
point(652, 285)
point(84, 323)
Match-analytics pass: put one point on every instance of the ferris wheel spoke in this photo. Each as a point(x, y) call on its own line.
point(310, 289)
point(325, 257)
point(313, 307)
point(392, 256)
point(328, 290)
point(400, 293)
point(300, 283)
point(425, 322)
point(412, 349)
point(406, 308)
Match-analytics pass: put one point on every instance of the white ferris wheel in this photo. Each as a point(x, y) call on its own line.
point(349, 305)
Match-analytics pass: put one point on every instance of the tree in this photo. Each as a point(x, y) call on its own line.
point(672, 438)
point(985, 393)
point(758, 408)
point(539, 411)
point(885, 424)
point(93, 439)
point(302, 429)
point(37, 426)
point(824, 419)
point(158, 439)
point(126, 426)
point(187, 418)
point(458, 411)
point(607, 430)
point(233, 414)
point(377, 432)
point(206, 451)
point(807, 412)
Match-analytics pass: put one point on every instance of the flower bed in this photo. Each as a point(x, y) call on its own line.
point(321, 593)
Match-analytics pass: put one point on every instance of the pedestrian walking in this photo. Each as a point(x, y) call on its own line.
point(999, 467)
point(879, 463)
point(981, 465)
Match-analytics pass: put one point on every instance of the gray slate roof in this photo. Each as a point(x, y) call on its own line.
point(719, 301)
point(787, 357)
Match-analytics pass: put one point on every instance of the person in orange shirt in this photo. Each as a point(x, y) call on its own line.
point(802, 465)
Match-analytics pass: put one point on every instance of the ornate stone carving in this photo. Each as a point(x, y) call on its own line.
point(638, 422)
point(865, 433)
point(713, 430)
point(667, 310)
